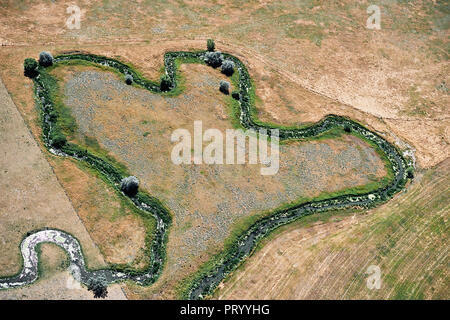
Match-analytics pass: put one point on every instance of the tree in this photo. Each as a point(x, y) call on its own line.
point(45, 59)
point(235, 94)
point(410, 173)
point(210, 45)
point(99, 287)
point(128, 79)
point(165, 83)
point(129, 185)
point(228, 67)
point(30, 67)
point(213, 59)
point(57, 139)
point(224, 87)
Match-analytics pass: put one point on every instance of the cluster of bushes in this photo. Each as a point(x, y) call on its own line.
point(213, 59)
point(30, 65)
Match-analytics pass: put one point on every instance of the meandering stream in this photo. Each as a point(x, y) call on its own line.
point(204, 283)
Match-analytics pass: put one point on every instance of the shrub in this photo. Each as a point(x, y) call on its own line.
point(228, 67)
point(99, 287)
point(57, 139)
point(410, 173)
point(129, 185)
point(30, 67)
point(210, 45)
point(347, 128)
point(235, 94)
point(128, 79)
point(45, 59)
point(213, 59)
point(165, 83)
point(224, 87)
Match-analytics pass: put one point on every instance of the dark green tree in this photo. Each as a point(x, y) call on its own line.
point(99, 287)
point(347, 128)
point(129, 185)
point(45, 59)
point(410, 173)
point(128, 79)
point(224, 87)
point(57, 139)
point(213, 59)
point(210, 45)
point(30, 67)
point(228, 67)
point(165, 83)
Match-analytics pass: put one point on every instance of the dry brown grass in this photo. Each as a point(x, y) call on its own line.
point(394, 73)
point(114, 226)
point(407, 238)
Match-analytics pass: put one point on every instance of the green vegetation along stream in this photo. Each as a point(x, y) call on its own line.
point(207, 279)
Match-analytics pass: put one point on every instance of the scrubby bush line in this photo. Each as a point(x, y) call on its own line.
point(207, 281)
